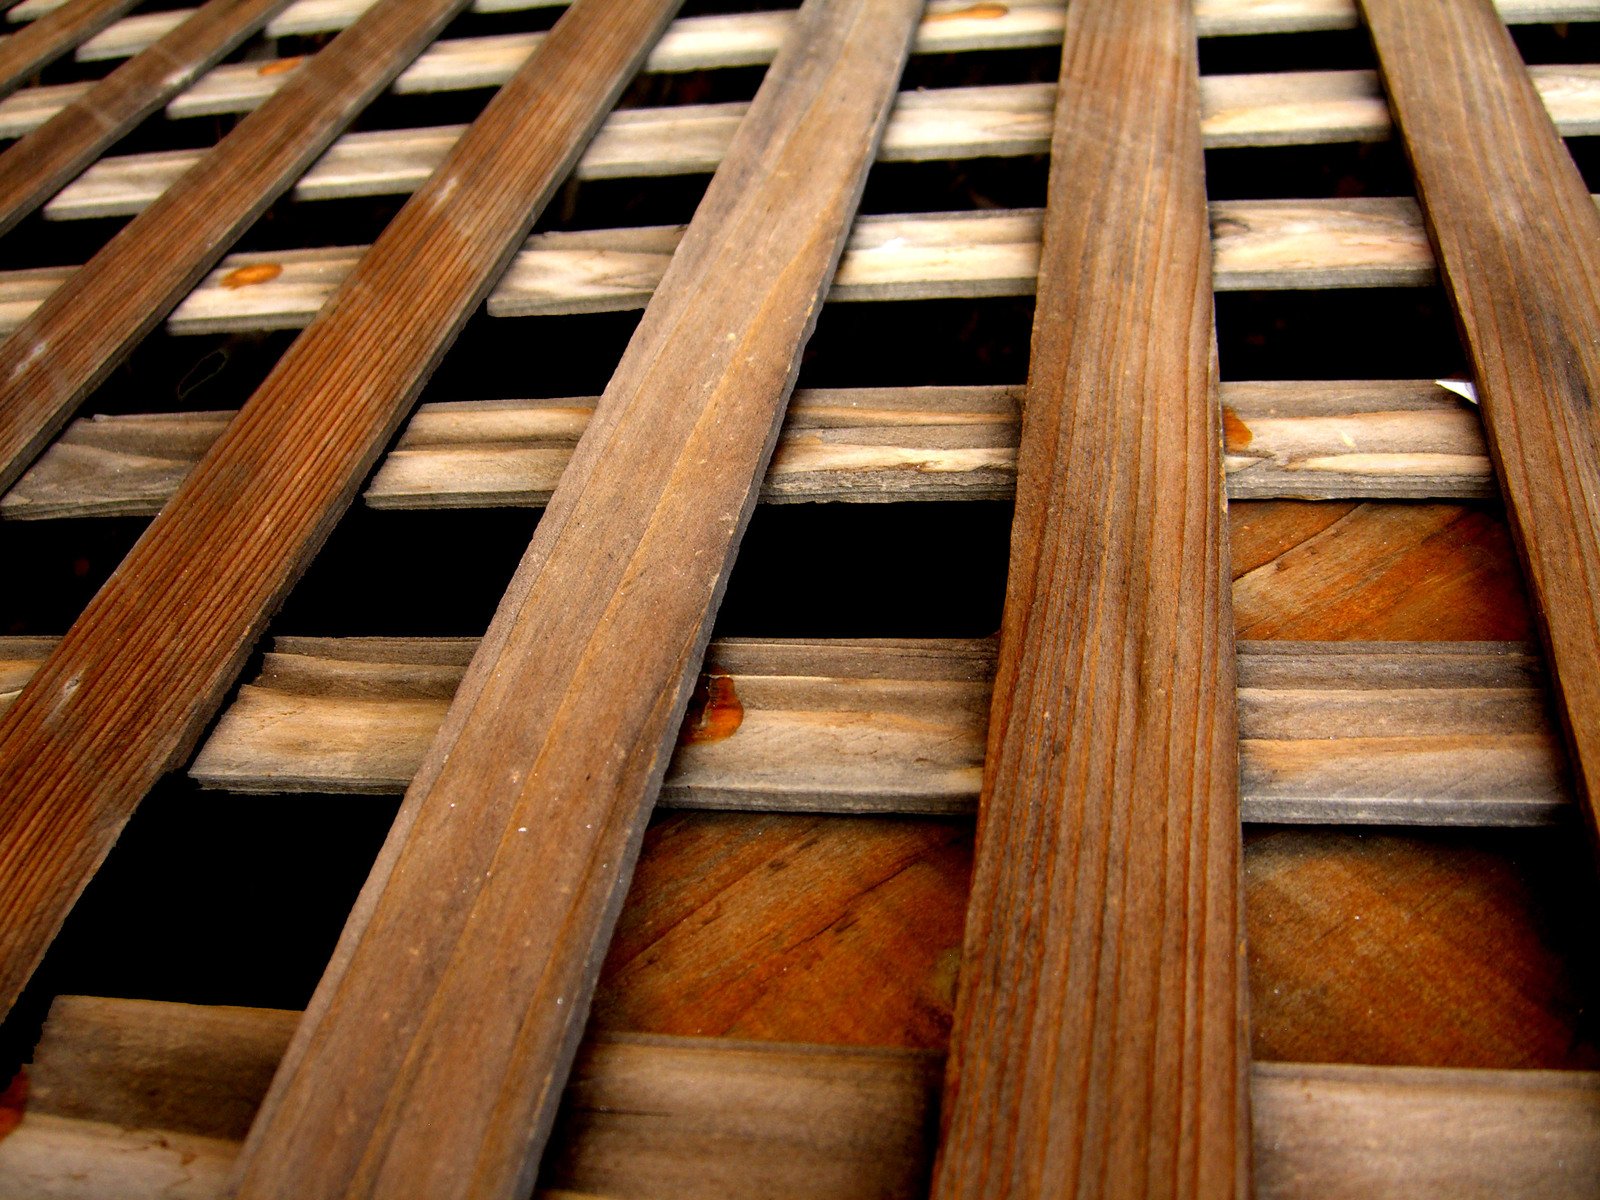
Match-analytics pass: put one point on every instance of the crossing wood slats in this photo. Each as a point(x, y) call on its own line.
point(1518, 242)
point(1401, 439)
point(51, 36)
point(1100, 1044)
point(84, 328)
point(1291, 108)
point(35, 168)
point(142, 1100)
point(433, 1054)
point(136, 677)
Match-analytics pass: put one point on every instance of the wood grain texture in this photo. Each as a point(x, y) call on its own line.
point(29, 50)
point(672, 1116)
point(126, 693)
point(1397, 439)
point(38, 166)
point(1516, 236)
point(79, 333)
point(1100, 1040)
point(1275, 109)
point(620, 582)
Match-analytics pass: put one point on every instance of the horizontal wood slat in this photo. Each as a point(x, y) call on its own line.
point(144, 1100)
point(1258, 245)
point(35, 168)
point(1315, 440)
point(1296, 108)
point(1332, 733)
point(433, 1054)
point(130, 687)
point(1518, 241)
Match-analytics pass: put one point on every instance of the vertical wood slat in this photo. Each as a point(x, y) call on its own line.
point(35, 168)
point(433, 1055)
point(40, 43)
point(1517, 238)
point(133, 682)
point(89, 324)
point(1100, 1045)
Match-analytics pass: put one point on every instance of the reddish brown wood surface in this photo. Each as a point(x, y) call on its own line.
point(1517, 237)
point(1100, 1043)
point(90, 323)
point(42, 41)
point(433, 1054)
point(141, 671)
point(33, 169)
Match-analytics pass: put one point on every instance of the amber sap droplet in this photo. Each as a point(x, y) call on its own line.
point(972, 12)
point(280, 66)
point(714, 712)
point(255, 273)
point(1236, 435)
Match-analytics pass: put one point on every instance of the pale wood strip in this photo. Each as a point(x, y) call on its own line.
point(1100, 1042)
point(1518, 238)
point(1356, 440)
point(432, 1057)
point(701, 1117)
point(127, 692)
point(82, 330)
point(53, 34)
point(38, 166)
point(1291, 108)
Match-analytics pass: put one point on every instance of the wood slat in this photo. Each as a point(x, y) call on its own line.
point(1282, 109)
point(1519, 241)
point(79, 333)
point(35, 168)
point(432, 1057)
point(1313, 440)
point(1101, 1042)
point(139, 1099)
point(136, 678)
point(29, 50)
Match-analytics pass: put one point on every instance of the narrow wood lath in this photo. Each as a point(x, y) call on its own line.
point(39, 44)
point(1518, 241)
point(137, 676)
point(1100, 1045)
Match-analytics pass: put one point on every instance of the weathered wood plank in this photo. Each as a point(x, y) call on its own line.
point(138, 675)
point(61, 29)
point(1332, 733)
point(1394, 440)
point(37, 167)
point(1101, 1043)
point(649, 1116)
point(447, 1021)
point(85, 327)
point(1291, 108)
point(1518, 238)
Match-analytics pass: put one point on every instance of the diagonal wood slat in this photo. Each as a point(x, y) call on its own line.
point(1518, 242)
point(83, 329)
point(1100, 1042)
point(132, 683)
point(441, 1035)
point(38, 166)
point(48, 38)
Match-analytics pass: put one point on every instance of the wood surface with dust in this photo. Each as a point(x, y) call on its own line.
point(1518, 243)
point(126, 693)
point(1100, 1042)
point(433, 1054)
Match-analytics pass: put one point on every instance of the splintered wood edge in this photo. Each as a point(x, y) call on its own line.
point(134, 1096)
